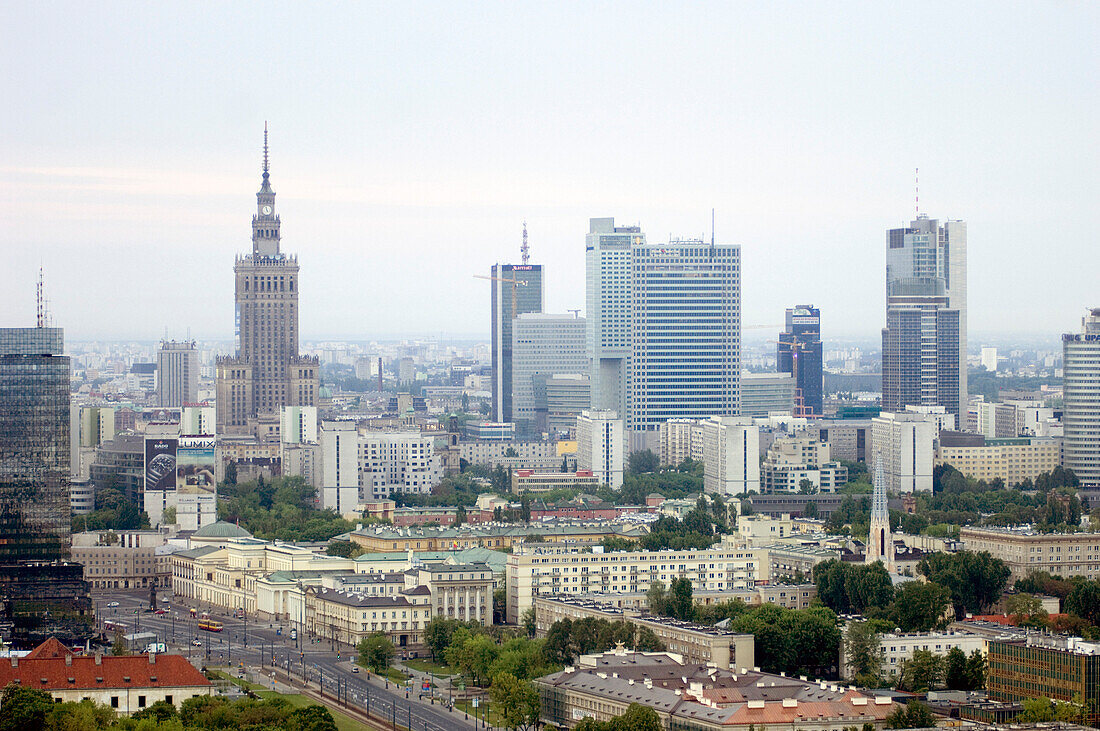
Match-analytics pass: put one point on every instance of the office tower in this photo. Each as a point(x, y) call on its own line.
point(34, 444)
point(767, 393)
point(565, 396)
point(339, 447)
point(267, 372)
point(924, 342)
point(177, 373)
point(600, 446)
point(989, 358)
point(607, 292)
point(731, 455)
point(880, 543)
point(1081, 400)
point(543, 345)
point(685, 357)
point(798, 352)
point(517, 288)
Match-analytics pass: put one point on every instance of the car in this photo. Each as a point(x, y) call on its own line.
point(161, 611)
point(355, 668)
point(196, 643)
point(111, 605)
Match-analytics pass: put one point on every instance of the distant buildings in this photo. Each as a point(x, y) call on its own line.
point(795, 458)
point(1081, 400)
point(267, 373)
point(767, 393)
point(731, 455)
point(177, 373)
point(798, 352)
point(543, 346)
point(924, 341)
point(516, 289)
point(685, 335)
point(1010, 460)
point(600, 446)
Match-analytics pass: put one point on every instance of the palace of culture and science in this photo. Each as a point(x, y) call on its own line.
point(267, 372)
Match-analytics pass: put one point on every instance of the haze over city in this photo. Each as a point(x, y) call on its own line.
point(410, 143)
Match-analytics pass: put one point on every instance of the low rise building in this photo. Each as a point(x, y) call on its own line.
point(702, 697)
point(347, 617)
point(122, 560)
point(788, 596)
point(696, 643)
point(1010, 460)
point(794, 461)
point(531, 481)
point(1024, 550)
point(123, 684)
point(1042, 666)
point(382, 540)
point(898, 647)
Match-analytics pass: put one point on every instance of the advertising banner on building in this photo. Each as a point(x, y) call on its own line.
point(195, 466)
point(160, 463)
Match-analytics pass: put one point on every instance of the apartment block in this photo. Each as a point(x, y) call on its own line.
point(1025, 551)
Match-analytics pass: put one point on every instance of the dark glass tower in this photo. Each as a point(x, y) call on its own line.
point(34, 445)
point(798, 352)
point(517, 289)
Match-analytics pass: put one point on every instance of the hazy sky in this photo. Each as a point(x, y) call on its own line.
point(410, 140)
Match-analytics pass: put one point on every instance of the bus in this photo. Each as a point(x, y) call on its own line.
point(210, 625)
point(110, 626)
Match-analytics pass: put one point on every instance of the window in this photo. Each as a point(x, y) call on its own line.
point(168, 699)
point(141, 701)
point(114, 701)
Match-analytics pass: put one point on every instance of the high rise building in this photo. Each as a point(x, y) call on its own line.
point(177, 373)
point(903, 445)
point(685, 356)
point(607, 286)
point(34, 444)
point(267, 372)
point(543, 345)
point(798, 352)
point(1081, 400)
point(517, 288)
point(924, 341)
point(731, 455)
point(600, 446)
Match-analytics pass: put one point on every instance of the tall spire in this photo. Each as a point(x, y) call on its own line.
point(878, 502)
point(880, 540)
point(266, 167)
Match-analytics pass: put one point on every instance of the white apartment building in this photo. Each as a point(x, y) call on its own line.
point(899, 647)
point(1081, 400)
point(792, 459)
point(1012, 460)
point(339, 448)
point(600, 446)
point(298, 425)
point(679, 439)
point(685, 344)
point(549, 569)
point(993, 420)
point(731, 455)
point(534, 455)
point(402, 461)
point(905, 442)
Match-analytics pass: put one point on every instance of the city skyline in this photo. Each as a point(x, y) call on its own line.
point(414, 188)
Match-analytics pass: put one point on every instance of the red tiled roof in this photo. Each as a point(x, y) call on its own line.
point(1005, 619)
point(46, 671)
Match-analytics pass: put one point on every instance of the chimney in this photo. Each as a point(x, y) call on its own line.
point(68, 660)
point(99, 658)
point(153, 658)
point(14, 661)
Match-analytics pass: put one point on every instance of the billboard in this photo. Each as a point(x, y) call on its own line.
point(195, 466)
point(160, 463)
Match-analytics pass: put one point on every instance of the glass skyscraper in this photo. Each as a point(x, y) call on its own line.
point(517, 289)
point(1081, 400)
point(798, 352)
point(34, 445)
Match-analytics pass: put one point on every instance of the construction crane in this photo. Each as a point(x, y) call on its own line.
point(513, 282)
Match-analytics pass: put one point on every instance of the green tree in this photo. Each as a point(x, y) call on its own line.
point(345, 549)
point(975, 580)
point(24, 709)
point(168, 517)
point(642, 462)
point(231, 473)
point(525, 508)
point(807, 487)
point(311, 718)
point(528, 621)
point(920, 606)
point(680, 604)
point(1036, 710)
point(1026, 609)
point(921, 672)
point(1084, 601)
point(810, 511)
point(376, 652)
point(975, 671)
point(861, 651)
point(119, 647)
point(852, 588)
point(517, 701)
point(913, 715)
point(955, 677)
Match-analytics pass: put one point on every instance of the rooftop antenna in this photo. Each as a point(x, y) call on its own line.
point(525, 252)
point(265, 149)
point(916, 186)
point(41, 299)
point(712, 228)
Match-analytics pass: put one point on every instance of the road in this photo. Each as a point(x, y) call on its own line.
point(265, 647)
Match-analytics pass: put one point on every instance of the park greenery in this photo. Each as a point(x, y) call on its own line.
point(113, 511)
point(28, 709)
point(282, 508)
point(636, 718)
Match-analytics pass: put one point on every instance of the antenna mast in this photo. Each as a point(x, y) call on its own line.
point(525, 252)
point(916, 186)
point(41, 300)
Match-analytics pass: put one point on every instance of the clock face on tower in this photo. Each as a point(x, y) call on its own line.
point(267, 210)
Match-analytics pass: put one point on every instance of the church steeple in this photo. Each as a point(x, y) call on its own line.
point(880, 541)
point(265, 224)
